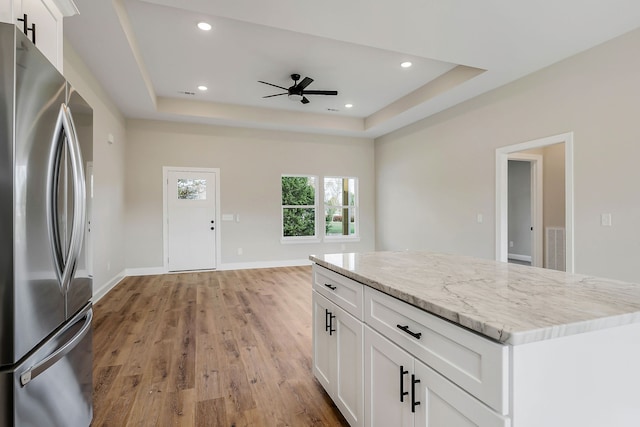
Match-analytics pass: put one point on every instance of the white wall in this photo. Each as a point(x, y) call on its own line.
point(434, 176)
point(108, 162)
point(251, 163)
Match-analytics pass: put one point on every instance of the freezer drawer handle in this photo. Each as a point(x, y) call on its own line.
point(54, 357)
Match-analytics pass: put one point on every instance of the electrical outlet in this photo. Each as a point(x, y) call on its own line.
point(510, 243)
point(239, 251)
point(605, 220)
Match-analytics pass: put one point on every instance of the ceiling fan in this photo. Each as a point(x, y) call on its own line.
point(297, 92)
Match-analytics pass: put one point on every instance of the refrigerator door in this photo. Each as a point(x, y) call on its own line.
point(39, 303)
point(53, 386)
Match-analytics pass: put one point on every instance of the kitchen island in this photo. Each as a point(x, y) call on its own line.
point(445, 340)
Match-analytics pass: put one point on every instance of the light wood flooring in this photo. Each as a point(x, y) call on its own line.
point(226, 348)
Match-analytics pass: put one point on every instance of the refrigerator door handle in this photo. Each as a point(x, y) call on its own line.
point(31, 373)
point(79, 197)
point(65, 264)
point(53, 176)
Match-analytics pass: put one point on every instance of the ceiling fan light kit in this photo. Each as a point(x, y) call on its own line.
point(297, 92)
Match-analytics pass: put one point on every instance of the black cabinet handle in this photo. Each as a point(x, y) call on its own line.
point(333, 288)
point(405, 328)
point(402, 392)
point(326, 319)
point(414, 381)
point(25, 24)
point(331, 317)
point(33, 33)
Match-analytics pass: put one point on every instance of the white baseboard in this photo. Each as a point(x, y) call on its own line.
point(148, 271)
point(104, 289)
point(526, 258)
point(263, 264)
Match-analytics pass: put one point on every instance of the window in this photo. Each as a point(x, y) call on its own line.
point(192, 189)
point(299, 206)
point(340, 207)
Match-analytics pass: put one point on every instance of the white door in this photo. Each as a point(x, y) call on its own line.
point(348, 393)
point(387, 386)
point(443, 404)
point(324, 345)
point(191, 214)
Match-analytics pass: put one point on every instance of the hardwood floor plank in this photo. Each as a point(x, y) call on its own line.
point(225, 348)
point(211, 413)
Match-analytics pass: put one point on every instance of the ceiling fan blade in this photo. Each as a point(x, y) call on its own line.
point(271, 84)
point(304, 83)
point(277, 94)
point(320, 92)
point(304, 100)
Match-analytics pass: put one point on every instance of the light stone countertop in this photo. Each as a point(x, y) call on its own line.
point(509, 303)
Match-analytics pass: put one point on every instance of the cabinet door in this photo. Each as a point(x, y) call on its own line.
point(324, 345)
point(48, 24)
point(6, 11)
point(348, 387)
point(388, 371)
point(442, 404)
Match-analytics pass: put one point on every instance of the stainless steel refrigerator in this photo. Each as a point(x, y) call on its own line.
point(45, 278)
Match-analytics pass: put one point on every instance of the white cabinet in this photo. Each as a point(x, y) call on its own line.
point(44, 23)
point(338, 341)
point(385, 363)
point(475, 364)
point(337, 357)
point(402, 391)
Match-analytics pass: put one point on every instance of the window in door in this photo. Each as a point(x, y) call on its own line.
point(341, 207)
point(192, 189)
point(299, 200)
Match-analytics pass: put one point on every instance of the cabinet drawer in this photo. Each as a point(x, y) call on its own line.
point(474, 363)
point(345, 293)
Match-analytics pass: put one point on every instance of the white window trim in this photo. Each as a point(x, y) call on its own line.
point(342, 238)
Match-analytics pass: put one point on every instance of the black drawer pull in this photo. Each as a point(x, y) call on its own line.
point(327, 326)
point(333, 288)
point(414, 381)
point(331, 317)
point(405, 328)
point(402, 392)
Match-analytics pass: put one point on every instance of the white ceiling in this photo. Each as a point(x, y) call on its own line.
point(146, 54)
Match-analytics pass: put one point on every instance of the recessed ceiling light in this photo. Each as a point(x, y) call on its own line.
point(202, 88)
point(348, 105)
point(204, 26)
point(406, 64)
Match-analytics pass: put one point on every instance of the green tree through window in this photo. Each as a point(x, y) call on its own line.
point(298, 206)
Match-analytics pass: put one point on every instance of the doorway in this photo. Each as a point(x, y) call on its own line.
point(525, 213)
point(502, 200)
point(191, 218)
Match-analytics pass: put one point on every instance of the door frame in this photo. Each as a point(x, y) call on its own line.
point(535, 160)
point(502, 157)
point(165, 211)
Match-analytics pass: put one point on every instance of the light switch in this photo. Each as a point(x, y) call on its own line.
point(479, 218)
point(605, 220)
point(227, 217)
